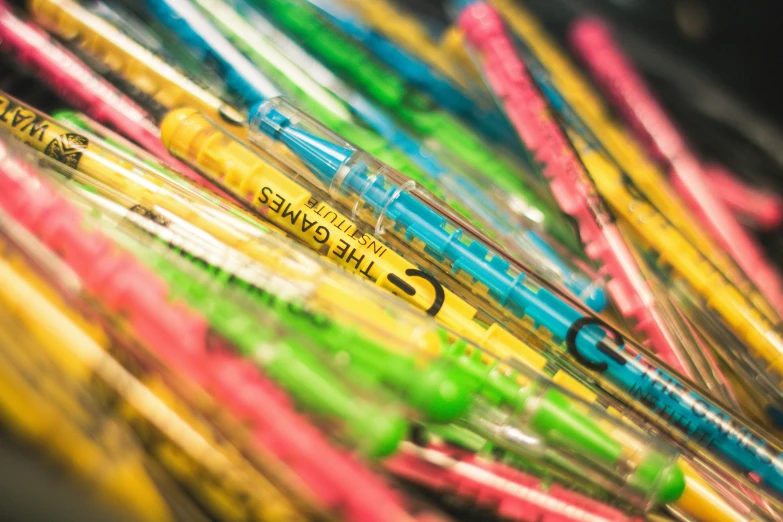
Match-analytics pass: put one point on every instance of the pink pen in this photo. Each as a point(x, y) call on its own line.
point(510, 493)
point(76, 83)
point(182, 339)
point(762, 209)
point(511, 83)
point(593, 42)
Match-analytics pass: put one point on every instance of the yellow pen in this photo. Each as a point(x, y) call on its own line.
point(42, 403)
point(623, 149)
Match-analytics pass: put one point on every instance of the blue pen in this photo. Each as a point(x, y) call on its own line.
point(378, 193)
point(487, 119)
point(242, 75)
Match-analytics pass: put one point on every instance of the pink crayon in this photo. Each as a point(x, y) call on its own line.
point(181, 338)
point(529, 113)
point(593, 42)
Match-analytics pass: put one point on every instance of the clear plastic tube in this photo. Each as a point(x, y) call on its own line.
point(591, 344)
point(181, 337)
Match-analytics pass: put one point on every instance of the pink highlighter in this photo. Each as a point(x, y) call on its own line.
point(181, 338)
point(624, 86)
point(509, 80)
point(83, 88)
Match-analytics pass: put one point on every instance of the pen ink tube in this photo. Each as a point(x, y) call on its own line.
point(590, 343)
point(179, 335)
point(377, 194)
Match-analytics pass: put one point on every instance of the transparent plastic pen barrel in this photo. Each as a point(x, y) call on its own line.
point(180, 336)
point(411, 107)
point(601, 350)
point(487, 484)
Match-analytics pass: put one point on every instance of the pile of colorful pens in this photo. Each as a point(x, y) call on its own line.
point(320, 259)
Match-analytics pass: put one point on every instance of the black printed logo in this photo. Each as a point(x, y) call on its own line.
point(67, 149)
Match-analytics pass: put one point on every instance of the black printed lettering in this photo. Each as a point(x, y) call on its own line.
point(276, 203)
point(263, 198)
point(323, 232)
point(573, 349)
point(341, 249)
point(287, 213)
